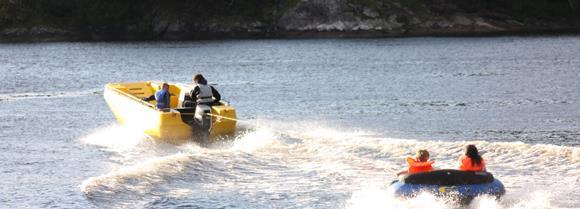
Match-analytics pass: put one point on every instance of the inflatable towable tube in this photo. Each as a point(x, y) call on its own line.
point(459, 185)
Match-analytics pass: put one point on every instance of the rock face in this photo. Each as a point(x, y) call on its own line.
point(434, 17)
point(341, 15)
point(23, 20)
point(37, 33)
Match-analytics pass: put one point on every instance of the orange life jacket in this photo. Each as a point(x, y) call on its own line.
point(465, 164)
point(418, 167)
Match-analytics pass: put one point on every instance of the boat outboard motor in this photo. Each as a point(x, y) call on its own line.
point(202, 122)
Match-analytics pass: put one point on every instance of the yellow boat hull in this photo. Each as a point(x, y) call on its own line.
point(126, 102)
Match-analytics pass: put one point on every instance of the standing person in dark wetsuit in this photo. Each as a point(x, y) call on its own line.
point(200, 98)
point(202, 93)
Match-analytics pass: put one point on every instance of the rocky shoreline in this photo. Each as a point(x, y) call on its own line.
point(307, 19)
point(47, 34)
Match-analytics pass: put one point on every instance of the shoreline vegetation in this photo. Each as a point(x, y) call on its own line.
point(148, 20)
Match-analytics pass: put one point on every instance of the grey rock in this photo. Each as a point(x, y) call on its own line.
point(338, 15)
point(370, 12)
point(461, 20)
point(320, 15)
point(35, 31)
point(15, 31)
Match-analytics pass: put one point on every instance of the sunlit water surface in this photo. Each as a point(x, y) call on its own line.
point(325, 123)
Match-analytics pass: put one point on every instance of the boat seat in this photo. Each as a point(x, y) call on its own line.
point(181, 98)
point(187, 114)
point(139, 90)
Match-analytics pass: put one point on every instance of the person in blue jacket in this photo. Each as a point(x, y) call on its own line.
point(163, 97)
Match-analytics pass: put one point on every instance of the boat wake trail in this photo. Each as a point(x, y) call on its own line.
point(36, 95)
point(281, 165)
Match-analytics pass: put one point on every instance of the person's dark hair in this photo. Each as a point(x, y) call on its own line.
point(471, 152)
point(199, 79)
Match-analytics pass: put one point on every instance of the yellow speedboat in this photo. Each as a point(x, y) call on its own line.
point(175, 125)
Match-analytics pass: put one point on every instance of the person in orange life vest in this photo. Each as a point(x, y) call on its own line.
point(418, 164)
point(471, 160)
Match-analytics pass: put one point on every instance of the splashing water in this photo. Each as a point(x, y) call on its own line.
point(370, 198)
point(254, 140)
point(309, 166)
point(115, 138)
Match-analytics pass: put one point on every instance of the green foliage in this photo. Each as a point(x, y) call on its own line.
point(114, 13)
point(277, 10)
point(414, 5)
point(375, 4)
point(417, 6)
point(537, 9)
point(574, 4)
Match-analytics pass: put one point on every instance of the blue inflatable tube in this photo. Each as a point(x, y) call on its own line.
point(459, 185)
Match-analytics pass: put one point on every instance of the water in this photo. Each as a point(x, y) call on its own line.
point(327, 122)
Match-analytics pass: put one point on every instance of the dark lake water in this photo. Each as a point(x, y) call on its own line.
point(327, 122)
